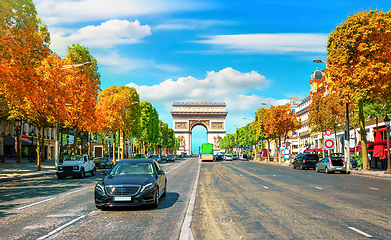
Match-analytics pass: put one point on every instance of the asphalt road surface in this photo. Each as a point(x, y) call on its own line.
point(251, 200)
point(234, 200)
point(48, 208)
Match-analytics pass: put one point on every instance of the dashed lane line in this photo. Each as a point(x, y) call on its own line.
point(62, 227)
point(76, 191)
point(319, 188)
point(374, 188)
point(35, 203)
point(266, 187)
point(360, 232)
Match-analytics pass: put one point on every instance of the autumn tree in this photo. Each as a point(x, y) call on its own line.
point(359, 62)
point(281, 120)
point(118, 109)
point(81, 87)
point(260, 131)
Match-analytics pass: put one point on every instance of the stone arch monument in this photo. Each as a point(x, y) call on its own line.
point(187, 115)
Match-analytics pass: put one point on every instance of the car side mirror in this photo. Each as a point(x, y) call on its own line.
point(160, 172)
point(104, 173)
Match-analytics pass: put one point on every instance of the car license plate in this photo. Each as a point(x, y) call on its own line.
point(338, 168)
point(118, 199)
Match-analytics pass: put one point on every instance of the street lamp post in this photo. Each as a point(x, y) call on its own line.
point(18, 126)
point(387, 122)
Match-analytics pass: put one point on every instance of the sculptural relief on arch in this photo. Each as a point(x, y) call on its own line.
point(187, 115)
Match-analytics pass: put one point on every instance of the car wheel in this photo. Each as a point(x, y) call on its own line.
point(60, 178)
point(93, 172)
point(327, 171)
point(301, 167)
point(293, 166)
point(82, 173)
point(156, 203)
point(316, 169)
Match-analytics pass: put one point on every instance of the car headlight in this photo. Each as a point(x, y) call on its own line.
point(100, 188)
point(76, 167)
point(59, 168)
point(147, 187)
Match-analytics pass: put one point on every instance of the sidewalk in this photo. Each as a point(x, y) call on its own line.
point(377, 173)
point(14, 171)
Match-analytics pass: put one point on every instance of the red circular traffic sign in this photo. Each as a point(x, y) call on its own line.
point(328, 132)
point(329, 143)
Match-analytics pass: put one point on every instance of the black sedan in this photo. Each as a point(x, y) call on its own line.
point(131, 182)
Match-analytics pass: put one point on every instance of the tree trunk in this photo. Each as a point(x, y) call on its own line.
point(365, 161)
point(43, 145)
point(39, 151)
point(114, 148)
point(75, 141)
point(268, 153)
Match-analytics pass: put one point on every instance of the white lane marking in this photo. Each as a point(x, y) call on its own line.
point(374, 188)
point(361, 232)
point(35, 203)
point(76, 191)
point(186, 233)
point(176, 166)
point(274, 175)
point(266, 187)
point(318, 187)
point(241, 175)
point(60, 228)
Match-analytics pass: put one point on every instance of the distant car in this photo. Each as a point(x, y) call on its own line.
point(170, 157)
point(141, 156)
point(76, 166)
point(331, 164)
point(164, 158)
point(131, 182)
point(244, 157)
point(219, 157)
point(305, 161)
point(235, 157)
point(228, 157)
point(103, 162)
point(157, 158)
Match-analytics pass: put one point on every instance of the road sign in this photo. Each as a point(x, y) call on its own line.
point(286, 151)
point(283, 144)
point(251, 149)
point(329, 143)
point(286, 156)
point(328, 132)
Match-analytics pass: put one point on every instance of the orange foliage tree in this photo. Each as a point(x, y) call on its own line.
point(359, 62)
point(279, 121)
point(79, 92)
point(118, 110)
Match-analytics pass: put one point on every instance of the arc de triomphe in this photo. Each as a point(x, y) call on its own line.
point(187, 115)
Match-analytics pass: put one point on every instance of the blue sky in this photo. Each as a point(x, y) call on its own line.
point(243, 53)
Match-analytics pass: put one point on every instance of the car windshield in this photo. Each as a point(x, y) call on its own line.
point(127, 168)
point(228, 155)
point(73, 158)
point(312, 157)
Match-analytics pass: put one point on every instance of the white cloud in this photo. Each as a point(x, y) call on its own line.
point(116, 63)
point(189, 24)
point(108, 34)
point(226, 86)
point(71, 11)
point(271, 43)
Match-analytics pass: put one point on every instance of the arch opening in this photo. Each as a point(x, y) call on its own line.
point(198, 137)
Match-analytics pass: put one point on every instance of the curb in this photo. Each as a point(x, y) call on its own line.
point(27, 175)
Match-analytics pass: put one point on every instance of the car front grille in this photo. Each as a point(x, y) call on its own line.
point(67, 168)
point(122, 190)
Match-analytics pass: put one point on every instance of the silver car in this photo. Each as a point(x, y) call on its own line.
point(330, 165)
point(228, 157)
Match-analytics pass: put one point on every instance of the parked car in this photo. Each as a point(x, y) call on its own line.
point(235, 157)
point(164, 158)
point(157, 158)
point(103, 162)
point(305, 161)
point(170, 157)
point(244, 157)
point(331, 164)
point(228, 157)
point(140, 156)
point(219, 157)
point(76, 166)
point(131, 182)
